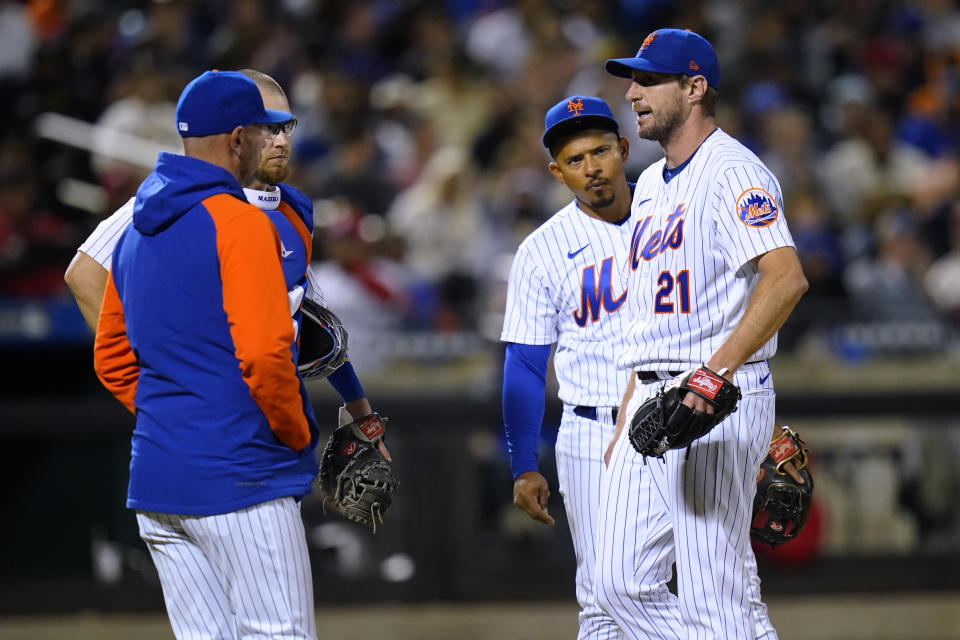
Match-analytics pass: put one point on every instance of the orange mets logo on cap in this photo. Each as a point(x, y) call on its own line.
point(575, 107)
point(648, 41)
point(757, 208)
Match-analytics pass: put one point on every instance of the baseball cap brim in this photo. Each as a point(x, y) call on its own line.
point(571, 126)
point(624, 67)
point(276, 117)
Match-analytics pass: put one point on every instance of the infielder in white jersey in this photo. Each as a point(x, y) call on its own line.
point(567, 287)
point(196, 614)
point(713, 276)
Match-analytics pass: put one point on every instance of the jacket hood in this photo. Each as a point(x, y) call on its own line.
point(177, 184)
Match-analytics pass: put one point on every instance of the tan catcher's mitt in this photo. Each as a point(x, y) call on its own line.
point(782, 504)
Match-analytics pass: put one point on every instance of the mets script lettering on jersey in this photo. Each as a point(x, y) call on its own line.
point(594, 292)
point(670, 236)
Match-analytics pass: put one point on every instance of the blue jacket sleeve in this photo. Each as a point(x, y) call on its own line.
point(524, 382)
point(346, 382)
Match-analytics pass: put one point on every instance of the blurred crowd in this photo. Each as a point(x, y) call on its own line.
point(419, 138)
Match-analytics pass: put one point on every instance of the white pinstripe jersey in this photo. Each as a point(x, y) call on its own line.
point(690, 253)
point(100, 244)
point(567, 285)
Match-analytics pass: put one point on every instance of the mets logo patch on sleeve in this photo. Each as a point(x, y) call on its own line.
point(757, 208)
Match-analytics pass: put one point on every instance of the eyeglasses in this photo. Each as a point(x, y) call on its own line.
point(276, 127)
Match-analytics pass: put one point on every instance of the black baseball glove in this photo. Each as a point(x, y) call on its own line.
point(663, 422)
point(782, 504)
point(355, 479)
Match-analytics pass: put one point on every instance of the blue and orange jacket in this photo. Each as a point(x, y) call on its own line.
point(195, 338)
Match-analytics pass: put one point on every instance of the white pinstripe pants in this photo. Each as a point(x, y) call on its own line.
point(694, 510)
point(579, 451)
point(242, 574)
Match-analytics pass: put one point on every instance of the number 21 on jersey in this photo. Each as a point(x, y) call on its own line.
point(664, 300)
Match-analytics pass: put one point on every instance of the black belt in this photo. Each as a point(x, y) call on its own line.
point(590, 413)
point(650, 376)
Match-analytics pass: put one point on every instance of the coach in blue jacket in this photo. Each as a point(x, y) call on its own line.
point(194, 337)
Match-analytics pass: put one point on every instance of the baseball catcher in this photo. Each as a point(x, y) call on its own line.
point(323, 341)
point(355, 479)
point(782, 503)
point(663, 422)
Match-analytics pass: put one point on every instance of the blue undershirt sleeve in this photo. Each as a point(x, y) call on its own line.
point(524, 383)
point(346, 382)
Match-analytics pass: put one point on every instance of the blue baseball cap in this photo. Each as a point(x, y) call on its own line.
point(671, 51)
point(574, 114)
point(219, 101)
